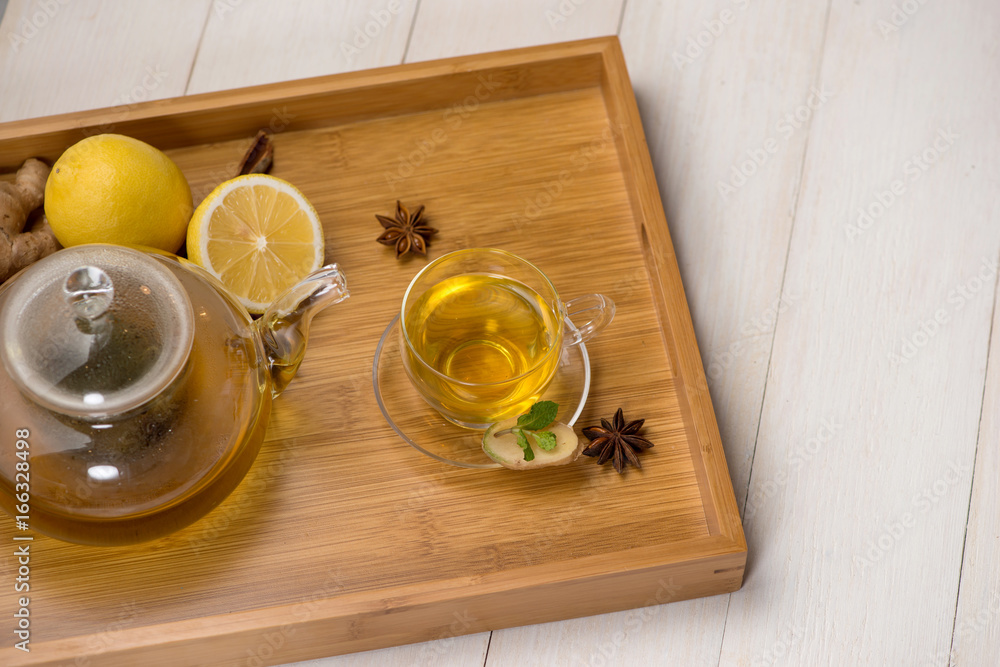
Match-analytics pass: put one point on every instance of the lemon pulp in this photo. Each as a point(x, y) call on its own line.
point(259, 235)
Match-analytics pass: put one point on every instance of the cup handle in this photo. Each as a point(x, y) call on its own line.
point(599, 308)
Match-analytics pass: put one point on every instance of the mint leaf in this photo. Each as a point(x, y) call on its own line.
point(522, 441)
point(541, 415)
point(545, 439)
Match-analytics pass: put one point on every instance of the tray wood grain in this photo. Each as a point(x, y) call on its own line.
point(342, 538)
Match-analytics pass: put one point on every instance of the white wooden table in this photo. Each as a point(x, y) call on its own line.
point(831, 175)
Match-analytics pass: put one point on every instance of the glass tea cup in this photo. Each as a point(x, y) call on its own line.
point(482, 332)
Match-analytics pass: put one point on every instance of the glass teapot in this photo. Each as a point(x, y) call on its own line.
point(135, 390)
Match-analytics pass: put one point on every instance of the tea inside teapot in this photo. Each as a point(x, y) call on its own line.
point(144, 389)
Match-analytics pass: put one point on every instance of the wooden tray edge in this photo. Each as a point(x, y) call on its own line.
point(422, 612)
point(675, 316)
point(159, 121)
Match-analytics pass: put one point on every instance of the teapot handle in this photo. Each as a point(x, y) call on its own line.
point(284, 328)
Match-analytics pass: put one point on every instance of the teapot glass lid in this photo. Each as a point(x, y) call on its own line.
point(95, 331)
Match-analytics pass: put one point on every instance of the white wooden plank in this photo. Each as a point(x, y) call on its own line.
point(715, 84)
point(863, 461)
point(59, 56)
point(447, 28)
point(976, 638)
point(682, 633)
point(249, 42)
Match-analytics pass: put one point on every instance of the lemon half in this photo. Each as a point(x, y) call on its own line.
point(257, 234)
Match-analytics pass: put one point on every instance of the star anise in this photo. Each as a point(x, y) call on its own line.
point(406, 231)
point(617, 441)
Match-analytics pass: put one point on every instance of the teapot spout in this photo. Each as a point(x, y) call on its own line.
point(284, 328)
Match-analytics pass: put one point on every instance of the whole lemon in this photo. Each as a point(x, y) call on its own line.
point(110, 188)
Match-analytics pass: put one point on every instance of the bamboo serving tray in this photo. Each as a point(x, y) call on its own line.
point(343, 538)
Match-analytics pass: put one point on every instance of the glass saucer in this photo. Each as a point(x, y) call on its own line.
point(427, 431)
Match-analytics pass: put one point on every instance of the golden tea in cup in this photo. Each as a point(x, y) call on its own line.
point(482, 334)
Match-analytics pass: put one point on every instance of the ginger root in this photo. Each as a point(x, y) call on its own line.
point(20, 247)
